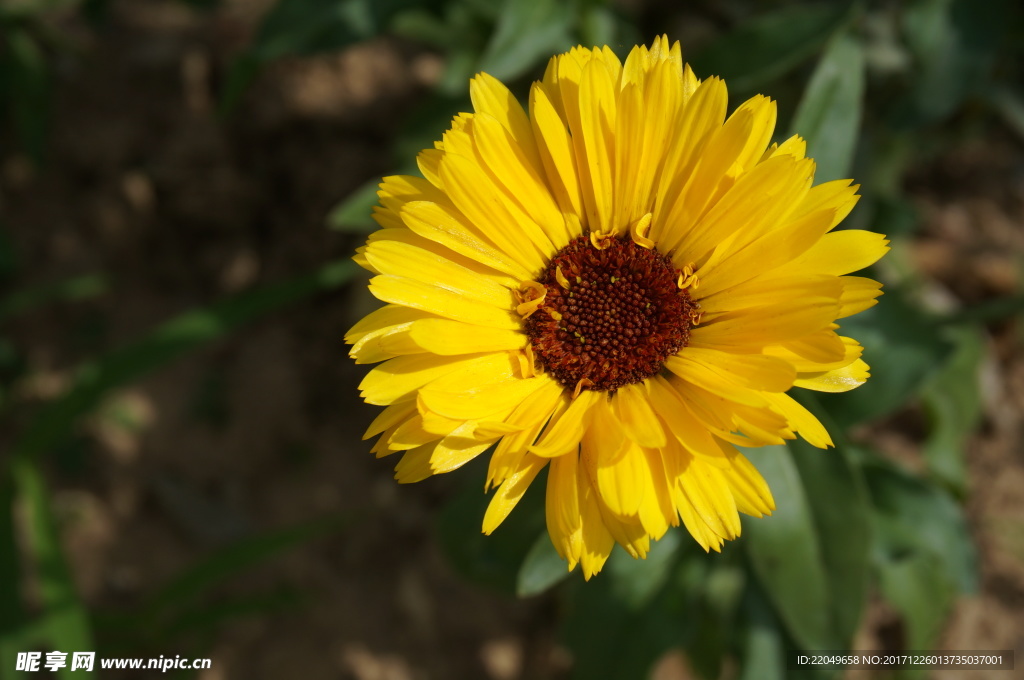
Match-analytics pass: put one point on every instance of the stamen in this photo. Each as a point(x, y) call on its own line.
point(531, 299)
point(639, 231)
point(560, 277)
point(624, 315)
point(584, 382)
point(601, 241)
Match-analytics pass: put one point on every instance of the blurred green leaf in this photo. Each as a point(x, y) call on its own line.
point(954, 42)
point(494, 560)
point(234, 559)
point(989, 311)
point(762, 648)
point(903, 347)
point(829, 113)
point(427, 123)
point(914, 517)
point(65, 619)
point(12, 613)
point(1010, 106)
point(526, 34)
point(22, 9)
point(893, 216)
point(354, 213)
point(786, 555)
point(635, 582)
point(770, 45)
point(921, 591)
point(306, 27)
point(209, 617)
point(714, 621)
point(78, 288)
point(25, 87)
point(613, 641)
point(166, 343)
point(953, 401)
point(542, 568)
point(839, 505)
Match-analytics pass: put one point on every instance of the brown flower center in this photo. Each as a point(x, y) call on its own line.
point(611, 316)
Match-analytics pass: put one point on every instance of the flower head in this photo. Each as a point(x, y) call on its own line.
point(621, 285)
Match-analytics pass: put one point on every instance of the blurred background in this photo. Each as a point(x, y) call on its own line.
point(181, 185)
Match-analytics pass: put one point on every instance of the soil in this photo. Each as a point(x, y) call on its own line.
point(178, 208)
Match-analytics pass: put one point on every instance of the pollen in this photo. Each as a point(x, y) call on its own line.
point(620, 317)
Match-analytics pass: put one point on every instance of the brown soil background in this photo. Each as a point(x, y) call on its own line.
point(261, 430)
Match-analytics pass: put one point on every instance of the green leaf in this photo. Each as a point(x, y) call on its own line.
point(770, 45)
point(494, 561)
point(12, 613)
point(922, 592)
point(25, 84)
point(24, 9)
point(542, 569)
point(762, 646)
point(913, 517)
point(612, 641)
point(786, 555)
point(903, 347)
point(353, 213)
point(78, 288)
point(527, 34)
point(954, 42)
point(829, 113)
point(66, 619)
point(952, 399)
point(233, 559)
point(839, 505)
point(169, 341)
point(635, 582)
point(306, 27)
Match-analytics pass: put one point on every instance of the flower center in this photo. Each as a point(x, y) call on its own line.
point(611, 314)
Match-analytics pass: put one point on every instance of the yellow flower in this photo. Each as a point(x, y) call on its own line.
point(620, 285)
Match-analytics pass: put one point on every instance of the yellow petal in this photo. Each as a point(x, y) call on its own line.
point(556, 152)
point(490, 96)
point(859, 294)
point(842, 252)
point(390, 417)
point(415, 464)
point(697, 373)
point(771, 324)
point(753, 497)
point(519, 176)
point(446, 337)
point(453, 452)
point(481, 203)
point(481, 401)
point(597, 125)
point(424, 261)
point(563, 434)
point(563, 515)
point(709, 494)
point(531, 415)
point(837, 380)
point(443, 302)
point(448, 227)
point(756, 371)
point(511, 491)
point(801, 420)
point(701, 117)
point(397, 379)
point(596, 541)
point(622, 483)
point(633, 409)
